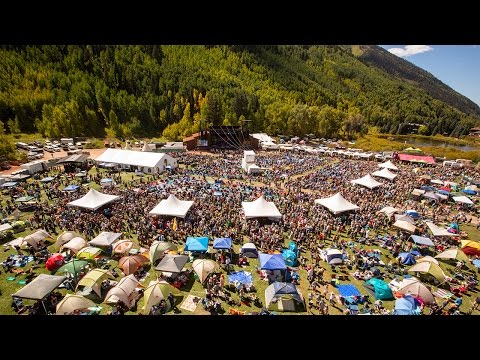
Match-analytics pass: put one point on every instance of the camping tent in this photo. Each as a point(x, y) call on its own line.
point(36, 238)
point(155, 292)
point(284, 294)
point(123, 291)
point(407, 258)
point(388, 165)
point(437, 231)
point(71, 188)
point(172, 263)
point(385, 173)
point(463, 200)
point(368, 181)
point(75, 244)
point(122, 246)
point(73, 267)
point(130, 264)
point(431, 195)
point(414, 287)
point(72, 302)
point(271, 262)
point(453, 254)
point(249, 250)
point(421, 240)
point(93, 200)
point(378, 289)
point(93, 279)
point(290, 257)
point(172, 207)
point(54, 262)
point(406, 305)
point(196, 244)
point(404, 225)
point(158, 248)
point(337, 204)
point(222, 243)
point(64, 238)
point(334, 256)
point(204, 267)
point(470, 247)
point(105, 238)
point(40, 287)
point(260, 208)
point(427, 259)
point(429, 268)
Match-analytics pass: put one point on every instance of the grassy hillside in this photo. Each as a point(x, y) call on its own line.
point(124, 91)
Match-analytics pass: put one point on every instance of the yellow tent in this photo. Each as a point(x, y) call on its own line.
point(431, 268)
point(88, 253)
point(470, 243)
point(94, 279)
point(453, 254)
point(156, 291)
point(72, 302)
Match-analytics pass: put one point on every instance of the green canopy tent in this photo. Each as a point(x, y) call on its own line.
point(73, 268)
point(379, 289)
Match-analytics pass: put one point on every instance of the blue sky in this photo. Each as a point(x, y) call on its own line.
point(458, 66)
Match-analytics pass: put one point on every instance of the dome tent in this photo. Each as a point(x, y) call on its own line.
point(379, 289)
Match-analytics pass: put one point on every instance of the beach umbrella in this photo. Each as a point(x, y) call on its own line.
point(158, 248)
point(155, 292)
point(54, 262)
point(72, 302)
point(130, 264)
point(122, 246)
point(204, 267)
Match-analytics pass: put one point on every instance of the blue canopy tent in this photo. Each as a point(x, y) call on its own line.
point(428, 188)
point(413, 214)
point(290, 257)
point(8, 184)
point(47, 179)
point(222, 243)
point(407, 258)
point(106, 181)
point(469, 192)
point(71, 188)
point(420, 240)
point(443, 192)
point(196, 244)
point(271, 262)
point(241, 277)
point(406, 305)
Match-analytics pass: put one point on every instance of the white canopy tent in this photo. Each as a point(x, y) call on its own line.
point(463, 200)
point(385, 173)
point(438, 231)
point(388, 165)
point(404, 225)
point(172, 207)
point(337, 204)
point(105, 238)
point(260, 208)
point(93, 200)
point(389, 210)
point(368, 181)
point(149, 162)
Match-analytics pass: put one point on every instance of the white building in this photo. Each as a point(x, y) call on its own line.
point(147, 162)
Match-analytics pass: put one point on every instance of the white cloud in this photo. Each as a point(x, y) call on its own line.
point(410, 50)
